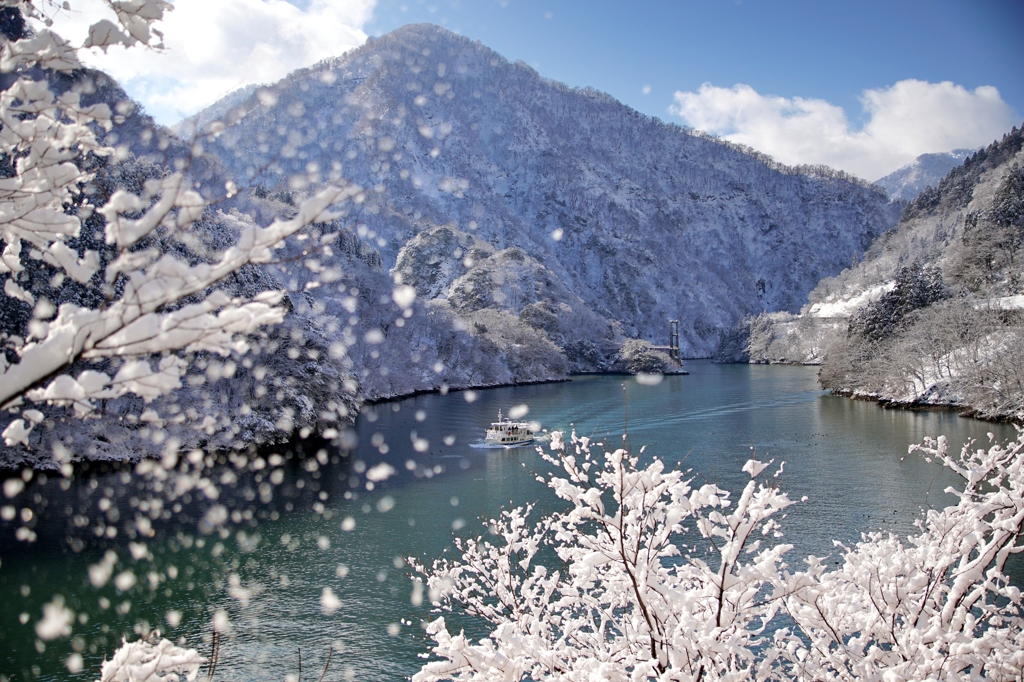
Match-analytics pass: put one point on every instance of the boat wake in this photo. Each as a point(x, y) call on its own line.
point(486, 445)
point(481, 445)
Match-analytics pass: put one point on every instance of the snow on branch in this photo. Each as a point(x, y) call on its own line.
point(633, 601)
point(144, 314)
point(937, 606)
point(138, 324)
point(638, 595)
point(45, 49)
point(145, 661)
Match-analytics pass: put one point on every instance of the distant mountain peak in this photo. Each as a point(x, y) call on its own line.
point(926, 170)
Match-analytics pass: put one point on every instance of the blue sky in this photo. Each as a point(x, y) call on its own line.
point(807, 67)
point(864, 86)
point(824, 49)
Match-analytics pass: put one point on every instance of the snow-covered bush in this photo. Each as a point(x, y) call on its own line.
point(151, 661)
point(662, 578)
point(647, 575)
point(936, 606)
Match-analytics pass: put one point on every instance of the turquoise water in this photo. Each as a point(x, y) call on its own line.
point(846, 456)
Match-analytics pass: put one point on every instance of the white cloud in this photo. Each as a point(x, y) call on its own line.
point(216, 46)
point(905, 120)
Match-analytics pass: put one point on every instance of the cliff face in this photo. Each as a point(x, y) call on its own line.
point(622, 218)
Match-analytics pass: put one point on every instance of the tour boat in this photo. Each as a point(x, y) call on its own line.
point(509, 432)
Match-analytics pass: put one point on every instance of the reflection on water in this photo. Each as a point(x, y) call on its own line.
point(323, 528)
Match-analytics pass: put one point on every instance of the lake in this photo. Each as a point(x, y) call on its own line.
point(320, 526)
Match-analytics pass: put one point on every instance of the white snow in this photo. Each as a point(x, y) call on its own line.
point(846, 307)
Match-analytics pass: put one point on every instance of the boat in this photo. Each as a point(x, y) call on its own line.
point(509, 432)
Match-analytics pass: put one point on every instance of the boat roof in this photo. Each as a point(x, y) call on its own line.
point(504, 421)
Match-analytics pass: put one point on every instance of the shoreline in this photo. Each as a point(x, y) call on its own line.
point(964, 411)
point(107, 465)
point(294, 442)
point(453, 389)
point(445, 390)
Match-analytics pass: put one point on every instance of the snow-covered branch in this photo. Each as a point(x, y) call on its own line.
point(156, 661)
point(631, 601)
point(48, 138)
point(937, 606)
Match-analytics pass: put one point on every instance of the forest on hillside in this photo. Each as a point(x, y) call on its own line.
point(934, 313)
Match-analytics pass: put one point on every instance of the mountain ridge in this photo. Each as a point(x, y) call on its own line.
point(446, 130)
point(907, 182)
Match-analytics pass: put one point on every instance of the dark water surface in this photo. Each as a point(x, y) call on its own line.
point(268, 571)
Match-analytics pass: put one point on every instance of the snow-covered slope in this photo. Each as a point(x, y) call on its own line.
point(924, 171)
point(936, 229)
point(620, 217)
point(544, 229)
point(930, 315)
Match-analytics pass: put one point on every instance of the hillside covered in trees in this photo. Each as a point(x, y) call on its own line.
point(934, 315)
point(619, 220)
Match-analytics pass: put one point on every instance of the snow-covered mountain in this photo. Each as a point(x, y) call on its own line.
point(925, 171)
point(578, 207)
point(944, 228)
